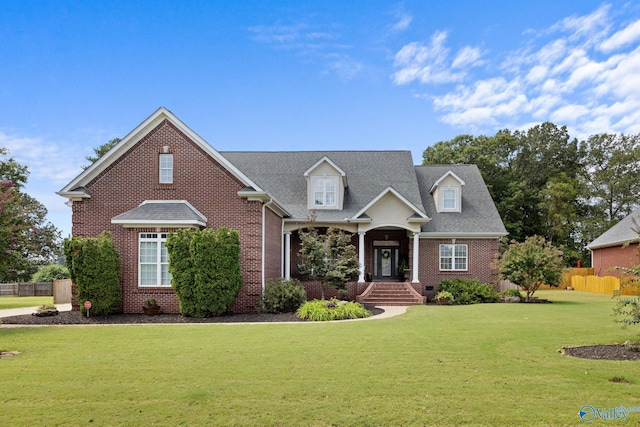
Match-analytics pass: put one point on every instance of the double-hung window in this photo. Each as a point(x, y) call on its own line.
point(449, 199)
point(153, 260)
point(453, 257)
point(166, 168)
point(325, 191)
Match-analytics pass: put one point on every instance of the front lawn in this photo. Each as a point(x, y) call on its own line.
point(22, 302)
point(488, 364)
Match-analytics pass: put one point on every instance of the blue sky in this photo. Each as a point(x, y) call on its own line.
point(306, 75)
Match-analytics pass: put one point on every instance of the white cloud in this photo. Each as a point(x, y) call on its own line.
point(403, 23)
point(425, 63)
point(467, 56)
point(289, 36)
point(44, 159)
point(622, 38)
point(559, 75)
point(345, 67)
point(313, 45)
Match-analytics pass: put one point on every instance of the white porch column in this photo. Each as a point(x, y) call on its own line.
point(287, 254)
point(416, 257)
point(361, 256)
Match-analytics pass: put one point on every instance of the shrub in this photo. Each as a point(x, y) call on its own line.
point(512, 293)
point(324, 310)
point(51, 272)
point(205, 270)
point(469, 291)
point(283, 296)
point(94, 267)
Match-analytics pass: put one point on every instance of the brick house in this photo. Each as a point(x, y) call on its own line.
point(616, 247)
point(438, 221)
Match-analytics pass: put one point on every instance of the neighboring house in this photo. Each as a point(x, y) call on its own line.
point(616, 247)
point(438, 220)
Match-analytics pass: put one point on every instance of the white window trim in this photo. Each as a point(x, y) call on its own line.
point(456, 205)
point(162, 169)
point(161, 239)
point(453, 257)
point(326, 178)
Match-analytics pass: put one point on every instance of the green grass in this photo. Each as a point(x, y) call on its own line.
point(488, 364)
point(21, 302)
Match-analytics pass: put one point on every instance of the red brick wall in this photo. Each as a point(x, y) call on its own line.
point(481, 256)
point(605, 259)
point(198, 179)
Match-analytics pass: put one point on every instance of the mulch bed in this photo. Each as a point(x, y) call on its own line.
point(76, 318)
point(602, 352)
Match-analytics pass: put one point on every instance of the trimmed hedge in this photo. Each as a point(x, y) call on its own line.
point(283, 296)
point(205, 270)
point(94, 267)
point(469, 291)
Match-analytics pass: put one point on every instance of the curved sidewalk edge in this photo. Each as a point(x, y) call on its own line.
point(389, 311)
point(29, 310)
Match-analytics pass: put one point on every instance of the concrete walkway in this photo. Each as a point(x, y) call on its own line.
point(389, 311)
point(28, 310)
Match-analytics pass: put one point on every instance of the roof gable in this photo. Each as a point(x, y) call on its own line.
point(327, 160)
point(619, 234)
point(73, 189)
point(479, 218)
point(449, 173)
point(415, 216)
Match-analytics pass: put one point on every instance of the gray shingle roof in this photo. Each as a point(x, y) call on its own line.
point(619, 234)
point(161, 212)
point(479, 214)
point(369, 173)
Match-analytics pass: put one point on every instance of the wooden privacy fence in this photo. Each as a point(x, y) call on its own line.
point(59, 289)
point(583, 279)
point(27, 289)
point(62, 291)
point(602, 285)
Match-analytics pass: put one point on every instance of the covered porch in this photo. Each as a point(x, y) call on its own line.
point(388, 260)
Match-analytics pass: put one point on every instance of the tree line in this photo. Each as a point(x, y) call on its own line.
point(545, 183)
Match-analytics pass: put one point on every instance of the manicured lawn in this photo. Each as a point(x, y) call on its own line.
point(492, 364)
point(19, 302)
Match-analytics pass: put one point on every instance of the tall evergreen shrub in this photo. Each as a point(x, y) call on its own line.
point(94, 267)
point(208, 278)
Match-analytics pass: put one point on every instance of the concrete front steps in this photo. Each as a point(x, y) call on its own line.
point(390, 293)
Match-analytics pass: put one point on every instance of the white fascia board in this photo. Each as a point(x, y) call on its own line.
point(342, 173)
point(264, 197)
point(449, 173)
point(608, 244)
point(461, 235)
point(399, 196)
point(163, 224)
point(74, 195)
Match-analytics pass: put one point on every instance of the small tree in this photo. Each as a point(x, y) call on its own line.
point(531, 263)
point(330, 257)
point(50, 272)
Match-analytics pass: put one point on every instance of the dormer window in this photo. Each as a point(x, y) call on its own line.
point(447, 193)
point(449, 199)
point(166, 168)
point(325, 189)
point(326, 184)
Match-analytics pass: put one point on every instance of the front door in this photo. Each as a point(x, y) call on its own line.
point(385, 261)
